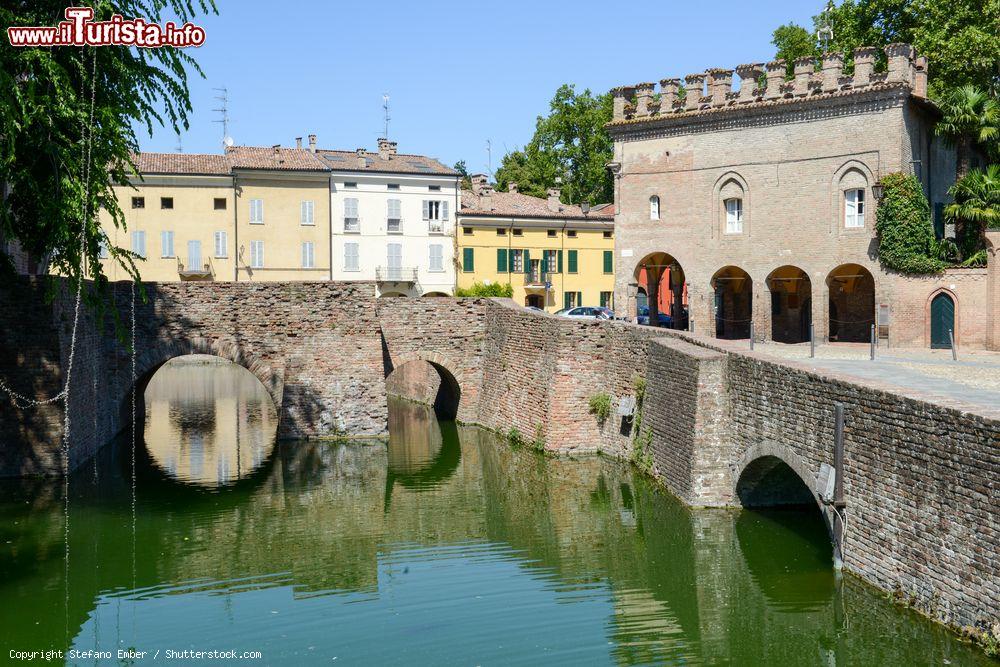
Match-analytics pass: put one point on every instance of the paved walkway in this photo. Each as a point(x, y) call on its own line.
point(973, 379)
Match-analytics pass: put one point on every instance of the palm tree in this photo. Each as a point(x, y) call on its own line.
point(971, 117)
point(977, 198)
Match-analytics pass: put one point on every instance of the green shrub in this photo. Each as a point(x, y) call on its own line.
point(906, 240)
point(514, 438)
point(484, 290)
point(600, 406)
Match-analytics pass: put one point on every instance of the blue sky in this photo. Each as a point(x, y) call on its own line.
point(458, 73)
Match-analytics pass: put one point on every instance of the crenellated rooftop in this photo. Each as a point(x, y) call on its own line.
point(764, 83)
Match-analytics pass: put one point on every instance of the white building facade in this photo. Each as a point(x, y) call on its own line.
point(393, 220)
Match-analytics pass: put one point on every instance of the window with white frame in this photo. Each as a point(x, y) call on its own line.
point(256, 254)
point(437, 257)
point(308, 255)
point(517, 261)
point(256, 211)
point(734, 216)
point(306, 213)
point(166, 244)
point(351, 259)
point(854, 208)
point(436, 214)
point(139, 243)
point(551, 261)
point(351, 221)
point(102, 249)
point(654, 208)
point(221, 245)
point(394, 218)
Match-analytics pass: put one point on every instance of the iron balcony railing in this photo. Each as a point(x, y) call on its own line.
point(396, 274)
point(203, 268)
point(537, 278)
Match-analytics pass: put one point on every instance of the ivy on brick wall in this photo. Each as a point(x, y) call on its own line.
point(906, 240)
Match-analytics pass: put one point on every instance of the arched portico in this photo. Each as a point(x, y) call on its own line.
point(851, 304)
point(733, 303)
point(662, 278)
point(791, 304)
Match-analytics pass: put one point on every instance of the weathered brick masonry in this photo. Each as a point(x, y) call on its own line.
point(920, 473)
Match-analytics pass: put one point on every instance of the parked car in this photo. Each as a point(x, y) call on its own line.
point(534, 308)
point(583, 313)
point(643, 318)
point(608, 313)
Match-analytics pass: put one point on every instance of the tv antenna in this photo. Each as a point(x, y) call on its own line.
point(824, 34)
point(224, 111)
point(489, 157)
point(386, 118)
point(180, 145)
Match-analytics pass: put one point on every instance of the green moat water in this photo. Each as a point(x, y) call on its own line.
point(442, 547)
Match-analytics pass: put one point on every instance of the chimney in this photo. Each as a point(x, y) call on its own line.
point(386, 148)
point(920, 77)
point(749, 74)
point(864, 64)
point(694, 84)
point(276, 148)
point(720, 84)
point(361, 153)
point(585, 207)
point(804, 68)
point(900, 58)
point(775, 77)
point(479, 181)
point(512, 187)
point(312, 143)
point(554, 204)
point(669, 94)
point(486, 196)
point(298, 142)
point(621, 95)
point(833, 68)
point(643, 97)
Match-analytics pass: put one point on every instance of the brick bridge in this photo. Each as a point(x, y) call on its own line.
point(724, 425)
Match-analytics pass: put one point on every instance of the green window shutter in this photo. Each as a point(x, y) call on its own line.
point(468, 259)
point(566, 299)
point(502, 260)
point(559, 262)
point(527, 262)
point(609, 261)
point(573, 262)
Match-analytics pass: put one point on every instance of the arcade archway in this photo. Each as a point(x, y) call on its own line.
point(791, 304)
point(660, 276)
point(733, 289)
point(852, 303)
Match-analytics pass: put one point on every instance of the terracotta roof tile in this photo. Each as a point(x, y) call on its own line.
point(400, 163)
point(181, 163)
point(261, 157)
point(519, 205)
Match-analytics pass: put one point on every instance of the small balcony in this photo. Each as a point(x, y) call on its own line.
point(537, 280)
point(396, 274)
point(202, 269)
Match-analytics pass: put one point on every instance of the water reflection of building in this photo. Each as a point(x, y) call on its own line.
point(208, 421)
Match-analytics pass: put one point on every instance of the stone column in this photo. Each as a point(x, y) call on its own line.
point(993, 289)
point(761, 311)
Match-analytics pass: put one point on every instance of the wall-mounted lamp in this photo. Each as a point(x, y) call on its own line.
point(877, 191)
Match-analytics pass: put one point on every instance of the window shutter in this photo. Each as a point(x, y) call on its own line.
point(559, 264)
point(502, 266)
point(510, 261)
point(444, 210)
point(567, 299)
point(527, 262)
point(427, 209)
point(573, 261)
point(468, 259)
point(608, 261)
point(579, 298)
point(303, 216)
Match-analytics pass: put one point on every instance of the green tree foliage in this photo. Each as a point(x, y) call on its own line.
point(958, 36)
point(977, 198)
point(906, 240)
point(792, 41)
point(970, 118)
point(463, 171)
point(45, 113)
point(571, 144)
point(482, 289)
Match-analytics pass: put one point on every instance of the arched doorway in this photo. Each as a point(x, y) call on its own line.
point(733, 290)
point(852, 303)
point(203, 420)
point(942, 320)
point(662, 279)
point(534, 301)
point(434, 294)
point(427, 382)
point(791, 304)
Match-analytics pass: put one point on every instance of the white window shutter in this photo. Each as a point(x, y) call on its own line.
point(444, 210)
point(427, 209)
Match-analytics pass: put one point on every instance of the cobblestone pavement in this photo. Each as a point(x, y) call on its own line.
point(974, 378)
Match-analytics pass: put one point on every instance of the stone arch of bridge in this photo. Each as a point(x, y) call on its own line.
point(149, 359)
point(773, 475)
point(452, 377)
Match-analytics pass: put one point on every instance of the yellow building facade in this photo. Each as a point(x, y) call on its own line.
point(553, 255)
